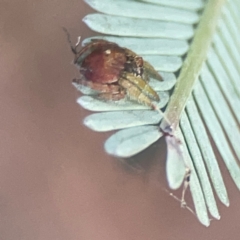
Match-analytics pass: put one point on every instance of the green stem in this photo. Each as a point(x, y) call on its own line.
point(192, 65)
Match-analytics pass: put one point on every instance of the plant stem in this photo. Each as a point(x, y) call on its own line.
point(192, 65)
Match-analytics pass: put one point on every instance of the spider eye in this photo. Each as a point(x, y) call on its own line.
point(108, 51)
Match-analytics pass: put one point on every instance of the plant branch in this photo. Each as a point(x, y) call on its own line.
point(193, 63)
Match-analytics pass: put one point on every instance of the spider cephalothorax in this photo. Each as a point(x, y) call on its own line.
point(115, 72)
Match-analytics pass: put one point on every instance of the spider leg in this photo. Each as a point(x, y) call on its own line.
point(134, 93)
point(145, 77)
point(99, 87)
point(112, 96)
point(137, 89)
point(142, 85)
point(147, 67)
point(105, 91)
point(151, 71)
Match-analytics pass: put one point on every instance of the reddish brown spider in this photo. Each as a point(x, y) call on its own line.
point(115, 72)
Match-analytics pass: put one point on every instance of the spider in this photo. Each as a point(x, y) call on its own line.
point(115, 72)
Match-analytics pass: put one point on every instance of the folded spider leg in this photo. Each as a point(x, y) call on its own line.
point(151, 71)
